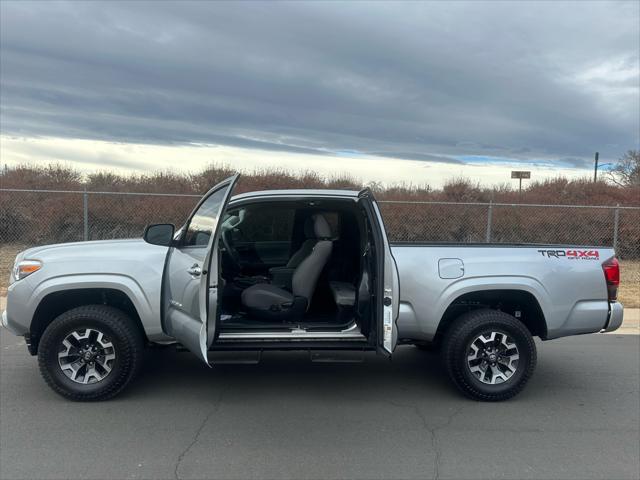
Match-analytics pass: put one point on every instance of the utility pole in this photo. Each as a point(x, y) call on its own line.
point(595, 168)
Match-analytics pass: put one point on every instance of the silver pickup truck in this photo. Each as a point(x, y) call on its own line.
point(301, 270)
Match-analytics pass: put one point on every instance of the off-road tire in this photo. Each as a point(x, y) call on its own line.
point(456, 346)
point(122, 331)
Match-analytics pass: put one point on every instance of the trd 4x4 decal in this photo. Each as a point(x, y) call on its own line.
point(571, 254)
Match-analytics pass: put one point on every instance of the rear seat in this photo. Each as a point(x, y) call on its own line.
point(344, 295)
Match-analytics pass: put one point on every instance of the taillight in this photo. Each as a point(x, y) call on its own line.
point(611, 269)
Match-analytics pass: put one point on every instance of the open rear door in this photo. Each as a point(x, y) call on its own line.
point(190, 280)
point(387, 284)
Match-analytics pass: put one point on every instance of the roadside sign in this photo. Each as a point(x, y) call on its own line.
point(520, 174)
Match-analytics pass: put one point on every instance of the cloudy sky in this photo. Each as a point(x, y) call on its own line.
point(384, 91)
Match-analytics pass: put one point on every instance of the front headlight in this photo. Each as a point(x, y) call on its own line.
point(24, 268)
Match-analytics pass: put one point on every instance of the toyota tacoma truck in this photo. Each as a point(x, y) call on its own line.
point(301, 270)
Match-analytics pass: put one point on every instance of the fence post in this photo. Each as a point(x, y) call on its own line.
point(489, 221)
point(616, 224)
point(85, 215)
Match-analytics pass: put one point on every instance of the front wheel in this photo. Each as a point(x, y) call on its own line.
point(90, 352)
point(489, 355)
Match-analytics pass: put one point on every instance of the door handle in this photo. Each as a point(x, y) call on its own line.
point(195, 270)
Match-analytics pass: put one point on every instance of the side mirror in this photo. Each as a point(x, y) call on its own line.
point(159, 234)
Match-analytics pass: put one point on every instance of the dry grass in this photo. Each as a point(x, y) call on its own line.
point(629, 293)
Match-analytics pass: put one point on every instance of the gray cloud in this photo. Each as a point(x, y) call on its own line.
point(422, 81)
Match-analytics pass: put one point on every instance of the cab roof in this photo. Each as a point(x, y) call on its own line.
point(301, 193)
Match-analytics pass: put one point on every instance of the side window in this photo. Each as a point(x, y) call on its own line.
point(267, 225)
point(203, 223)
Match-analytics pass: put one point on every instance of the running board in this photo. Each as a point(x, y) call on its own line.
point(253, 357)
point(351, 333)
point(336, 356)
point(231, 357)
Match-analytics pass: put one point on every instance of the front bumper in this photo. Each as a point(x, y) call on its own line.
point(614, 320)
point(6, 323)
point(16, 317)
point(18, 330)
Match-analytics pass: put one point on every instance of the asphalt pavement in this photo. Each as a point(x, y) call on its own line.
point(289, 418)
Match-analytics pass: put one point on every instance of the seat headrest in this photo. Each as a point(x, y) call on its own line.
point(316, 226)
point(321, 228)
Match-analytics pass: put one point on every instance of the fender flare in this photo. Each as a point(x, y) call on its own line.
point(123, 283)
point(479, 284)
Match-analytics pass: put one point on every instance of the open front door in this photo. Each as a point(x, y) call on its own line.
point(387, 283)
point(190, 280)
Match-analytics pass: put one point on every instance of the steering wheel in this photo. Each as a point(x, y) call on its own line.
point(228, 247)
point(227, 228)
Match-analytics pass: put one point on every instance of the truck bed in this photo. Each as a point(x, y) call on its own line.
point(567, 282)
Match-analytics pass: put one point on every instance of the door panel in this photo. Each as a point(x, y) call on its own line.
point(189, 289)
point(387, 287)
point(184, 313)
point(391, 299)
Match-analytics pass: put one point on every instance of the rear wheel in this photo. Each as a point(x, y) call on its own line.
point(489, 355)
point(90, 352)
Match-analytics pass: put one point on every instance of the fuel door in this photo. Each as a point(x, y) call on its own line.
point(450, 268)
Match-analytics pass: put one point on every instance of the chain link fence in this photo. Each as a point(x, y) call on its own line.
point(35, 217)
point(450, 222)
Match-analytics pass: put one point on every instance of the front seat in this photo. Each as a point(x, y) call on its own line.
point(305, 249)
point(272, 303)
point(282, 276)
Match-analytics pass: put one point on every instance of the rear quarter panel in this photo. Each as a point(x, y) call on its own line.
point(571, 290)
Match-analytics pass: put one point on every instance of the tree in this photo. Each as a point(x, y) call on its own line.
point(626, 171)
